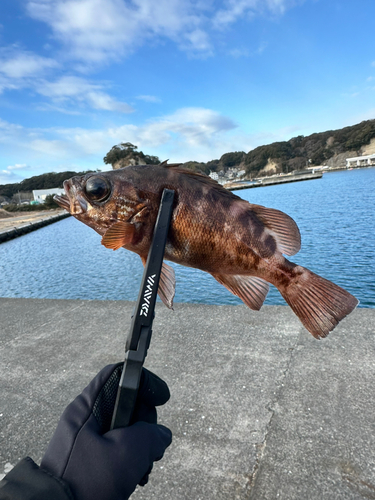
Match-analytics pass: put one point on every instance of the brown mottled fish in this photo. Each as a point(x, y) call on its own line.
point(212, 229)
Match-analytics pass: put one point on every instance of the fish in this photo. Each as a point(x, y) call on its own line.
point(242, 245)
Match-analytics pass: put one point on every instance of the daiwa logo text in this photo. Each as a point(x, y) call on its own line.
point(147, 295)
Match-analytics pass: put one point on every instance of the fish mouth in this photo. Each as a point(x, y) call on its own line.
point(73, 200)
point(63, 201)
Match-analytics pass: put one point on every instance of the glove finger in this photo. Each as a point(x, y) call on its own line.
point(165, 436)
point(153, 391)
point(160, 439)
point(145, 413)
point(154, 437)
point(145, 478)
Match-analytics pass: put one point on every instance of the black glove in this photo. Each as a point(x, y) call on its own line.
point(107, 465)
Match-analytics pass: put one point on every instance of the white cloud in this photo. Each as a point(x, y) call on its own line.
point(14, 173)
point(148, 98)
point(100, 100)
point(234, 10)
point(25, 64)
point(97, 30)
point(17, 166)
point(188, 134)
point(74, 89)
point(19, 67)
point(187, 128)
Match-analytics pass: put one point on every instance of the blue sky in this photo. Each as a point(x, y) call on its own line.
point(182, 79)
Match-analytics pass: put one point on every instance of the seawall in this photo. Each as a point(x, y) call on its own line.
point(21, 228)
point(271, 181)
point(259, 409)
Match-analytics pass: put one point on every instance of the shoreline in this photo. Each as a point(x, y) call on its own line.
point(272, 181)
point(18, 225)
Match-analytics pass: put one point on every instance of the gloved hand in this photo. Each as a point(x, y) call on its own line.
point(107, 465)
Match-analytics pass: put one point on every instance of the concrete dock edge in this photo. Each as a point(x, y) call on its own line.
point(259, 409)
point(10, 234)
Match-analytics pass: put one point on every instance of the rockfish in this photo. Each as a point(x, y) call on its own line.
point(240, 244)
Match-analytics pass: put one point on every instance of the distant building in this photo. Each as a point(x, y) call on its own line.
point(40, 195)
point(214, 176)
point(359, 161)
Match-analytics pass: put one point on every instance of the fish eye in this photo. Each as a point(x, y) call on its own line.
point(97, 188)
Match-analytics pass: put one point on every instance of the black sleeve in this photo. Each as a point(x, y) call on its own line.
point(28, 482)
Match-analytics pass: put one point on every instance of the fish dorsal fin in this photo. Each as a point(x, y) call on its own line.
point(165, 164)
point(283, 227)
point(250, 289)
point(118, 235)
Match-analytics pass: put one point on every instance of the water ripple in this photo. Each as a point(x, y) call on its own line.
point(335, 216)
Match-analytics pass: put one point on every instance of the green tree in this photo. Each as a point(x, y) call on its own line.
point(50, 203)
point(128, 150)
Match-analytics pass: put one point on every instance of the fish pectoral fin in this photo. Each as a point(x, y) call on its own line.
point(167, 284)
point(118, 235)
point(250, 289)
point(284, 228)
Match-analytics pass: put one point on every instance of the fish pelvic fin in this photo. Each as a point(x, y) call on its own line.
point(319, 304)
point(118, 235)
point(283, 228)
point(250, 289)
point(167, 284)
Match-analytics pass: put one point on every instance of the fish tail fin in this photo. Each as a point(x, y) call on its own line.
point(319, 304)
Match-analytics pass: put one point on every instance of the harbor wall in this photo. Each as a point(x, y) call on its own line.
point(271, 181)
point(9, 234)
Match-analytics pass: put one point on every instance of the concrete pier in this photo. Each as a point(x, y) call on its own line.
point(18, 226)
point(259, 409)
point(271, 181)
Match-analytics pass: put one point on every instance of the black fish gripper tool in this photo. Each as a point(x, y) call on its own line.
point(139, 337)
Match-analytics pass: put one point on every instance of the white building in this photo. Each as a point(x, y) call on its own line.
point(214, 176)
point(40, 195)
point(359, 161)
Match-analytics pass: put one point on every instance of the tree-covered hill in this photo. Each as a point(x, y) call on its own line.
point(295, 154)
point(330, 147)
point(44, 181)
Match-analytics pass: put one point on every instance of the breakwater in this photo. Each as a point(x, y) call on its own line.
point(19, 229)
point(270, 181)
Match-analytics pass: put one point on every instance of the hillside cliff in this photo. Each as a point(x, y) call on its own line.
point(325, 148)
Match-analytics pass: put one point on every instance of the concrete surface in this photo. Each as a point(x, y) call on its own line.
point(259, 409)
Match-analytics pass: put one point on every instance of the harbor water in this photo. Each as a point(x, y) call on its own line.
point(335, 215)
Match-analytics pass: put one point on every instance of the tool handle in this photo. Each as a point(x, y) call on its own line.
point(141, 327)
point(129, 382)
